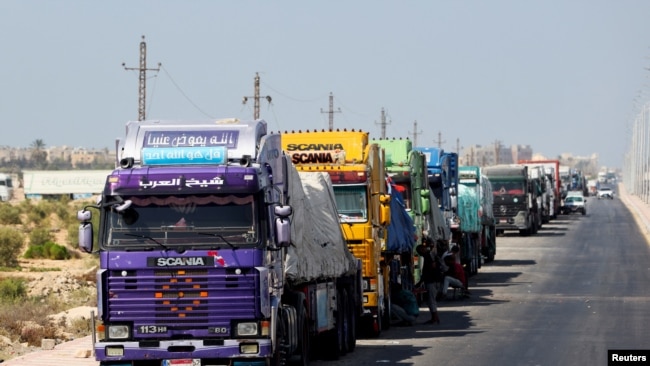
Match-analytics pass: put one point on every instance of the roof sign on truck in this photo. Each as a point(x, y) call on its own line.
point(227, 138)
point(184, 155)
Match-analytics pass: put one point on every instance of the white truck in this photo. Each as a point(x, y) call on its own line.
point(6, 187)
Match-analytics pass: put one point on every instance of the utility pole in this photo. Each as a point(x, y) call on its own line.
point(383, 124)
point(142, 88)
point(440, 142)
point(331, 111)
point(416, 133)
point(256, 98)
point(497, 151)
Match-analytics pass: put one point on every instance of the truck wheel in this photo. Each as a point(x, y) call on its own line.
point(331, 349)
point(303, 353)
point(350, 323)
point(353, 320)
point(342, 320)
point(280, 355)
point(490, 256)
point(386, 314)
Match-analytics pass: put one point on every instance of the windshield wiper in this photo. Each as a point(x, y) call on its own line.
point(148, 237)
point(222, 238)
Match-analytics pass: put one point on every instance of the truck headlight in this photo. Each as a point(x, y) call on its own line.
point(118, 331)
point(246, 329)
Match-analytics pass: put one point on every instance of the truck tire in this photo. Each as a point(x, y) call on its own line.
point(349, 322)
point(303, 354)
point(491, 246)
point(342, 319)
point(352, 322)
point(476, 254)
point(386, 314)
point(280, 357)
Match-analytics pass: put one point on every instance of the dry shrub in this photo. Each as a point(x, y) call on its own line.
point(28, 320)
point(80, 327)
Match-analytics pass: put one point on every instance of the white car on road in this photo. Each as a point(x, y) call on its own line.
point(605, 192)
point(574, 202)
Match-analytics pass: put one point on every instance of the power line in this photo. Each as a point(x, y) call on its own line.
point(183, 93)
point(290, 97)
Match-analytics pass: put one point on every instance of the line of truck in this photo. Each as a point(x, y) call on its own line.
point(530, 193)
point(222, 243)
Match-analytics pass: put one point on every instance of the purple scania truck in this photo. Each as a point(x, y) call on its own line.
point(215, 250)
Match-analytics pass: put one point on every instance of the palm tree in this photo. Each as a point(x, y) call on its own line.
point(39, 155)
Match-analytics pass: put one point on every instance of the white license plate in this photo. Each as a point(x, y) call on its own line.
point(182, 362)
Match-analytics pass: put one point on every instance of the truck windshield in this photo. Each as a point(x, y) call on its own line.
point(186, 220)
point(352, 203)
point(508, 188)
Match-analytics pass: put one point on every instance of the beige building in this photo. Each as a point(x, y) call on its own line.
point(76, 156)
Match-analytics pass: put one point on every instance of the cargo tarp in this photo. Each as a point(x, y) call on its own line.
point(437, 227)
point(401, 230)
point(468, 208)
point(318, 247)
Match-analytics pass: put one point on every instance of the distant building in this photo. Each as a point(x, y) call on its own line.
point(521, 152)
point(487, 155)
point(74, 156)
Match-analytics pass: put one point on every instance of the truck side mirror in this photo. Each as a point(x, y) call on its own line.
point(283, 211)
point(384, 209)
point(426, 203)
point(282, 232)
point(384, 199)
point(283, 225)
point(85, 231)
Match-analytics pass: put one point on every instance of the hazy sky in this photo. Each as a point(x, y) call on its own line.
point(559, 75)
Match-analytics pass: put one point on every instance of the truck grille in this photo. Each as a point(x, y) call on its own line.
point(202, 301)
point(507, 210)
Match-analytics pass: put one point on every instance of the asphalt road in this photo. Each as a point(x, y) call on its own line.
point(564, 296)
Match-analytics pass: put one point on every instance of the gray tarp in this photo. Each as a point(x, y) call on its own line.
point(319, 249)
